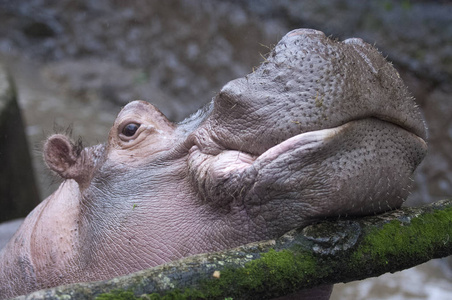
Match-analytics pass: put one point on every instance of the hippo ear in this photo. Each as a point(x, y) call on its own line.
point(62, 156)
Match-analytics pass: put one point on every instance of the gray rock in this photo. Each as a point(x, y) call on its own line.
point(7, 230)
point(18, 192)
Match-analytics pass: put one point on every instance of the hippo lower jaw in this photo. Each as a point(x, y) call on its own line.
point(361, 167)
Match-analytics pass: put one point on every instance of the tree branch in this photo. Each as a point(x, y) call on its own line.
point(326, 253)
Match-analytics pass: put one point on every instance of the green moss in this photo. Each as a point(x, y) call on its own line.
point(416, 238)
point(406, 5)
point(173, 295)
point(117, 295)
point(274, 272)
point(275, 268)
point(388, 6)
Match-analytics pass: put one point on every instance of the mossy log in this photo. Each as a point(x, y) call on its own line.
point(325, 253)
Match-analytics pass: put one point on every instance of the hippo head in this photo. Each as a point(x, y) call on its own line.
point(322, 128)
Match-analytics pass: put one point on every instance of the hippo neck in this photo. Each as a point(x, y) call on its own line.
point(164, 205)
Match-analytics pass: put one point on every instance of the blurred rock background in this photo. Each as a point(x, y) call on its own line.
point(77, 62)
point(18, 190)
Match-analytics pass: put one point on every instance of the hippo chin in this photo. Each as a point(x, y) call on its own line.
point(322, 128)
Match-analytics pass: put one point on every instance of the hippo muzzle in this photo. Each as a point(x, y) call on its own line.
point(326, 124)
point(322, 128)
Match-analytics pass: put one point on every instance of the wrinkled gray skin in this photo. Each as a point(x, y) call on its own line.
point(322, 128)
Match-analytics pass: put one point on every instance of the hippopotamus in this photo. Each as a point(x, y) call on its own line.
point(322, 128)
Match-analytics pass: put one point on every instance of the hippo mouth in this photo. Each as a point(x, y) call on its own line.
point(367, 135)
point(367, 163)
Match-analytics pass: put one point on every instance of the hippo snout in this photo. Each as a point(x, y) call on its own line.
point(324, 125)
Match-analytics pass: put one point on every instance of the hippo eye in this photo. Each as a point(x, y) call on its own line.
point(130, 129)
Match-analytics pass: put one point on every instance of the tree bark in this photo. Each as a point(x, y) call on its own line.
point(325, 253)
